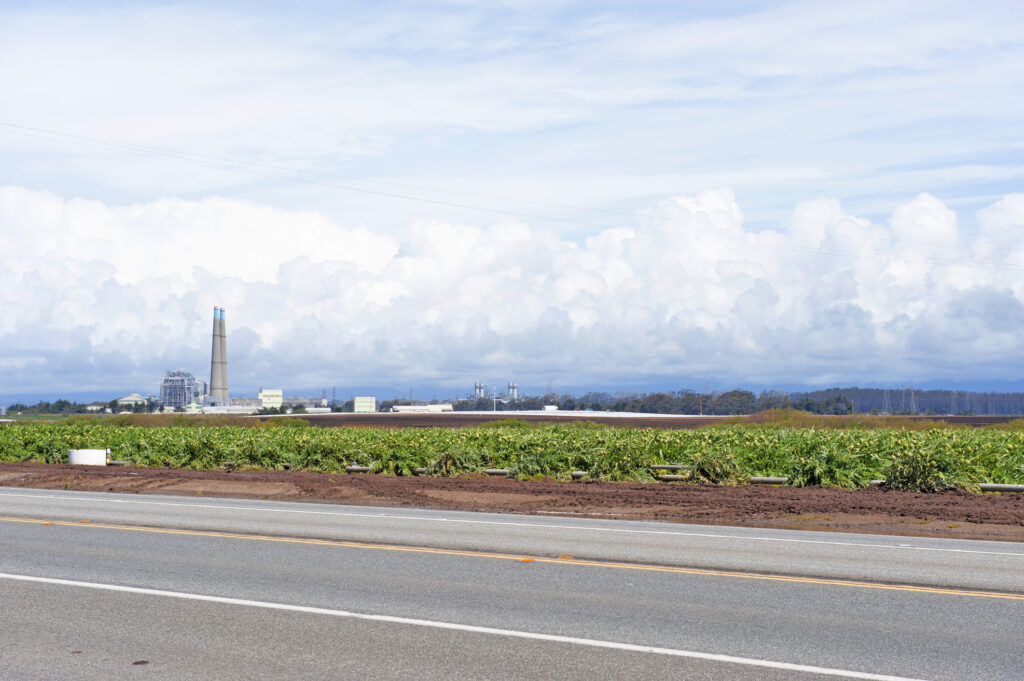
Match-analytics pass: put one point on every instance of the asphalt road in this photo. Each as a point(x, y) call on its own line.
point(228, 589)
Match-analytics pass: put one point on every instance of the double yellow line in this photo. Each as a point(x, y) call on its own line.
point(560, 560)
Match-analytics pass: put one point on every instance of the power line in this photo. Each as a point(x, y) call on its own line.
point(42, 133)
point(265, 170)
point(278, 171)
point(241, 167)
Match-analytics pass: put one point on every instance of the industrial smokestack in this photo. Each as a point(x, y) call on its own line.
point(215, 360)
point(224, 358)
point(219, 361)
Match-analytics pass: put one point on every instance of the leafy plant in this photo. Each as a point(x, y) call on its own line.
point(933, 468)
point(828, 466)
point(929, 459)
point(451, 462)
point(715, 467)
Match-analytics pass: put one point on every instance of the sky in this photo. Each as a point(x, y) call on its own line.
point(591, 195)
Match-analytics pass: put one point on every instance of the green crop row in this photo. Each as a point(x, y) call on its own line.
point(922, 460)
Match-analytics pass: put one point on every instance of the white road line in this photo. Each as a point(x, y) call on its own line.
point(467, 521)
point(512, 633)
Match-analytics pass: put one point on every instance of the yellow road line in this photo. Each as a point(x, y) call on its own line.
point(563, 560)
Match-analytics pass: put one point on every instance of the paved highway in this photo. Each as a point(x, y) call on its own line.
point(181, 588)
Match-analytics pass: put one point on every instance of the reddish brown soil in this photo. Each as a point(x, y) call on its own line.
point(950, 514)
point(468, 420)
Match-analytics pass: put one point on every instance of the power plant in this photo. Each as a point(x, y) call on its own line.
point(219, 363)
point(180, 389)
point(480, 391)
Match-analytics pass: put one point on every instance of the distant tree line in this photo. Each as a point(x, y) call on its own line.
point(68, 407)
point(914, 401)
point(690, 402)
point(58, 407)
point(738, 402)
point(733, 402)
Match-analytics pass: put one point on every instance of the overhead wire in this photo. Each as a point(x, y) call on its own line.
point(275, 171)
point(241, 167)
point(271, 171)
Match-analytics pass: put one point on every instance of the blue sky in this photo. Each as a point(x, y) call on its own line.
point(596, 194)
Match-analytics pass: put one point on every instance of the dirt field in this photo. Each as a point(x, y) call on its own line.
point(470, 419)
point(872, 510)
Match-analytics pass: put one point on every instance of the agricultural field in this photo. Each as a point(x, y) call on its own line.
point(931, 458)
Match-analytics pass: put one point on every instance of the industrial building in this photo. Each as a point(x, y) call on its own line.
point(180, 389)
point(132, 400)
point(271, 399)
point(307, 402)
point(421, 408)
point(364, 405)
point(480, 391)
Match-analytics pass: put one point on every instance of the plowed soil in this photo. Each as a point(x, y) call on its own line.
point(872, 510)
point(472, 419)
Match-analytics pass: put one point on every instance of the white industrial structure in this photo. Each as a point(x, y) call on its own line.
point(364, 405)
point(271, 399)
point(480, 391)
point(180, 389)
point(421, 408)
point(132, 400)
point(307, 402)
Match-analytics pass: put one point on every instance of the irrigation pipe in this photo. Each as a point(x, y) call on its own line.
point(998, 487)
point(984, 487)
point(675, 477)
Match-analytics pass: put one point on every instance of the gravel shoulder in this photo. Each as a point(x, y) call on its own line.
point(872, 510)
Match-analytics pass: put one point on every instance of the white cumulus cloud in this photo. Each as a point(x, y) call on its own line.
point(100, 296)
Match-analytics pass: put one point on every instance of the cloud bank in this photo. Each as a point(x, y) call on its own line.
point(100, 296)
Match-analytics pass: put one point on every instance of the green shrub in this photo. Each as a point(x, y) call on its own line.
point(517, 424)
point(932, 468)
point(715, 467)
point(828, 466)
point(935, 458)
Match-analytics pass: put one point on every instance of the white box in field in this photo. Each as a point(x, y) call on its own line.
point(88, 457)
